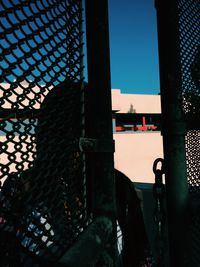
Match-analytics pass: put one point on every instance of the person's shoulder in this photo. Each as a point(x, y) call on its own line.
point(122, 183)
point(121, 177)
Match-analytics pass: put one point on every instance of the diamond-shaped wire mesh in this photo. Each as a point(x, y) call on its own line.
point(42, 198)
point(189, 29)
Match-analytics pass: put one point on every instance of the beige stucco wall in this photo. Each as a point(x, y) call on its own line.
point(141, 103)
point(135, 153)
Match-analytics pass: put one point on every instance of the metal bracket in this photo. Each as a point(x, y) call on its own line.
point(96, 145)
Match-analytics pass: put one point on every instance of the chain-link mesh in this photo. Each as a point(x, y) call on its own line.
point(189, 29)
point(42, 197)
point(189, 19)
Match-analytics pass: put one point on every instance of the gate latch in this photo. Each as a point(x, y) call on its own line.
point(96, 145)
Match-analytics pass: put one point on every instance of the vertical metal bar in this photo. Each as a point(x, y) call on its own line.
point(99, 119)
point(81, 51)
point(173, 128)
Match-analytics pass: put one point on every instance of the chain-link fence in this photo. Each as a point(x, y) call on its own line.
point(189, 19)
point(189, 28)
point(43, 187)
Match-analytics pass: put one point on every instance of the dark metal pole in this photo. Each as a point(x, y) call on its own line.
point(173, 129)
point(99, 115)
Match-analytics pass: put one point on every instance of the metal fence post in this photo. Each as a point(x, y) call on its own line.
point(99, 116)
point(173, 129)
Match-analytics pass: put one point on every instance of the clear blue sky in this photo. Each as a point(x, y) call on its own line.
point(133, 46)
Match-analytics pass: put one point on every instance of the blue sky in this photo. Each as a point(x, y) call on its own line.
point(133, 46)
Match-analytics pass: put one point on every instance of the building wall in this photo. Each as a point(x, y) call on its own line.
point(141, 103)
point(135, 153)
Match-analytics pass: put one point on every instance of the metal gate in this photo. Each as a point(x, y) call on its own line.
point(179, 53)
point(44, 190)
